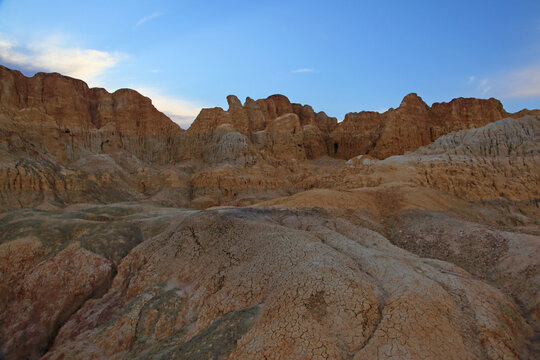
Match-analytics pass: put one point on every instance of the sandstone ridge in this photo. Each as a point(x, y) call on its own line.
point(396, 131)
point(61, 117)
point(64, 143)
point(267, 230)
point(55, 115)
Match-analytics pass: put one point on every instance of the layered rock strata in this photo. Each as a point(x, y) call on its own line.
point(385, 236)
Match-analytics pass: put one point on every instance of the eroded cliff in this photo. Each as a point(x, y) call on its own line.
point(350, 248)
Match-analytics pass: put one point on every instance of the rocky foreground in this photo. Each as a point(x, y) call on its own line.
point(265, 231)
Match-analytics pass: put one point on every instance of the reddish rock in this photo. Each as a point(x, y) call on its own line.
point(285, 138)
point(411, 125)
point(47, 295)
point(432, 254)
point(55, 115)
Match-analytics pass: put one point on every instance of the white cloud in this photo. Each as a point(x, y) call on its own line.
point(522, 83)
point(483, 83)
point(482, 86)
point(148, 18)
point(181, 111)
point(53, 55)
point(303, 70)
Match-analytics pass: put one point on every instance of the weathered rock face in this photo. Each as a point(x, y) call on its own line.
point(499, 160)
point(230, 147)
point(431, 254)
point(256, 116)
point(238, 283)
point(58, 116)
point(411, 125)
point(284, 138)
point(51, 265)
point(314, 142)
point(64, 143)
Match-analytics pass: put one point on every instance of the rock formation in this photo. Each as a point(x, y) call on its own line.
point(266, 230)
point(51, 114)
point(256, 119)
point(239, 283)
point(412, 125)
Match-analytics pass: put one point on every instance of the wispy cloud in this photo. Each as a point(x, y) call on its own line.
point(181, 111)
point(485, 91)
point(483, 83)
point(53, 54)
point(148, 18)
point(303, 70)
point(483, 86)
point(522, 83)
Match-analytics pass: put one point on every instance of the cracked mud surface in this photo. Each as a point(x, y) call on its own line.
point(434, 254)
point(257, 283)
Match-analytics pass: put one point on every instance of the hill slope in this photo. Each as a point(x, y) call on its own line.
point(341, 242)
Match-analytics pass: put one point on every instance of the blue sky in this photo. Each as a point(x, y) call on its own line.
point(337, 56)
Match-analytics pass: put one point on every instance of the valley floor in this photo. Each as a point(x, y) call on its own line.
point(437, 277)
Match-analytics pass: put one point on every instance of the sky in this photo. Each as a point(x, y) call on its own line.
point(338, 56)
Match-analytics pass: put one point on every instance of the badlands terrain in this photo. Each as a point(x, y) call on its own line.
point(265, 231)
